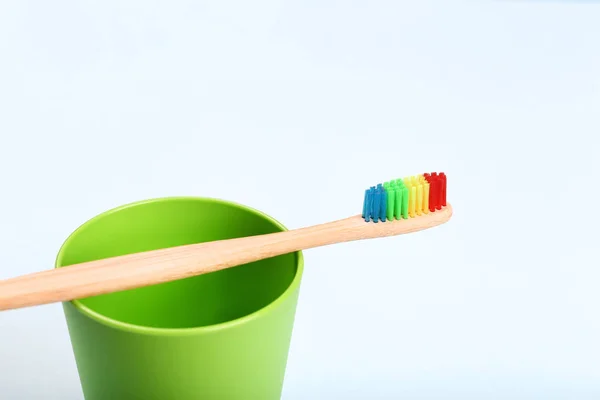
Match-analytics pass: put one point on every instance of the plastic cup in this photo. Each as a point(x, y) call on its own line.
point(223, 335)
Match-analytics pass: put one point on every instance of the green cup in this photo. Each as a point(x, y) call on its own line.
point(223, 335)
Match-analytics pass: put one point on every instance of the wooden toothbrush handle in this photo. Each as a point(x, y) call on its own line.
point(157, 266)
point(164, 265)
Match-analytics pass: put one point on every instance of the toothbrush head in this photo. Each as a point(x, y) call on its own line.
point(405, 198)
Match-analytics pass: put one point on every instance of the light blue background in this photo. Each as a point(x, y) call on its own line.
point(294, 108)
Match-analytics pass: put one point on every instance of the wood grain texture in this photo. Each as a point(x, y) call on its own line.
point(158, 266)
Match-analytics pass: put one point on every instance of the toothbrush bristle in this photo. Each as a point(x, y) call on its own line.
point(405, 198)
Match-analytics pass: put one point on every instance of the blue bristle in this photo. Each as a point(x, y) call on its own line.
point(383, 208)
point(367, 205)
point(376, 205)
point(371, 202)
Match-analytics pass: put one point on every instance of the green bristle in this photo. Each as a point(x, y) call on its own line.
point(390, 203)
point(398, 196)
point(398, 202)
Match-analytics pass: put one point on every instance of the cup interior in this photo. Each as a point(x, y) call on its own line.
point(198, 301)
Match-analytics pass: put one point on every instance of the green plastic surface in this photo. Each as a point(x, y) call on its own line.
point(223, 335)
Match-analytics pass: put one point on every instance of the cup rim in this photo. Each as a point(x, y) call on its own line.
point(140, 329)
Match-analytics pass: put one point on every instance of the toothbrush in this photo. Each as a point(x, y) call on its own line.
point(393, 208)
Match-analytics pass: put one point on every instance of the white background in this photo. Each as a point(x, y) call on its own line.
point(295, 108)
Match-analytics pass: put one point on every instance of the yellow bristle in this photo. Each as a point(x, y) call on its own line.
point(419, 206)
point(426, 197)
point(412, 203)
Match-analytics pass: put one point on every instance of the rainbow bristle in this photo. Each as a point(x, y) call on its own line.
point(405, 198)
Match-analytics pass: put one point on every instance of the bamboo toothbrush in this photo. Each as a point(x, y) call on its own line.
point(402, 206)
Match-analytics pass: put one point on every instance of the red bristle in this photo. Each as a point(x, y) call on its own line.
point(440, 191)
point(437, 190)
point(443, 197)
point(440, 184)
point(433, 192)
